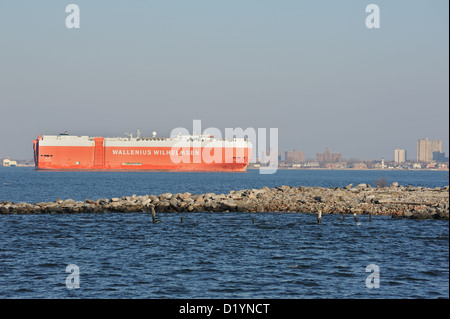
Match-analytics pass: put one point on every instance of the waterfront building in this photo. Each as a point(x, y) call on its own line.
point(295, 156)
point(399, 155)
point(312, 164)
point(360, 166)
point(426, 147)
point(440, 157)
point(7, 162)
point(417, 166)
point(329, 157)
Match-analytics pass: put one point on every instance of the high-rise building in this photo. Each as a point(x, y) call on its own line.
point(336, 157)
point(426, 147)
point(295, 156)
point(329, 157)
point(439, 157)
point(399, 155)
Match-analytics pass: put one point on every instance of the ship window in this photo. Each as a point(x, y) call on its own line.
point(45, 155)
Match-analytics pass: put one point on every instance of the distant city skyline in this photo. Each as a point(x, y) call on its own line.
point(311, 69)
point(426, 150)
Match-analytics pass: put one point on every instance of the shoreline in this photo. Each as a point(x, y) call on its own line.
point(287, 168)
point(357, 169)
point(412, 202)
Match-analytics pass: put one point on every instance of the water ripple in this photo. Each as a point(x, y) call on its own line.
point(281, 255)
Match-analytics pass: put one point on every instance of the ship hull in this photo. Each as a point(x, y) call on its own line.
point(101, 154)
point(149, 168)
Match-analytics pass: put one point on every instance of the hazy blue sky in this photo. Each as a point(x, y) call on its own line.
point(309, 68)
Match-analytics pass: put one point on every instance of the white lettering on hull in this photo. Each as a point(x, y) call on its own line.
point(155, 152)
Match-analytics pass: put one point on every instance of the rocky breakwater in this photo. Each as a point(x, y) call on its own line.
point(395, 200)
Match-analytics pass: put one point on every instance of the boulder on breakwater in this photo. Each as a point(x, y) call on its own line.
point(395, 200)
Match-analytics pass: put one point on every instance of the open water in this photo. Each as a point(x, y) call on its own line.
point(215, 255)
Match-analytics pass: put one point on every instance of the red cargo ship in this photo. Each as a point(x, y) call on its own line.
point(180, 153)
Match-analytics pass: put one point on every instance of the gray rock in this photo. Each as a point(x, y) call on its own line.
point(407, 214)
point(165, 196)
point(174, 202)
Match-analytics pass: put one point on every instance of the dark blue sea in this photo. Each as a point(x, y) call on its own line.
point(215, 255)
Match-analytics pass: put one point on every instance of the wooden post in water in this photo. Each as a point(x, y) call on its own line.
point(343, 216)
point(356, 217)
point(370, 216)
point(319, 216)
point(153, 214)
point(181, 219)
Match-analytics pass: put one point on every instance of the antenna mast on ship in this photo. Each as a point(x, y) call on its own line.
point(130, 135)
